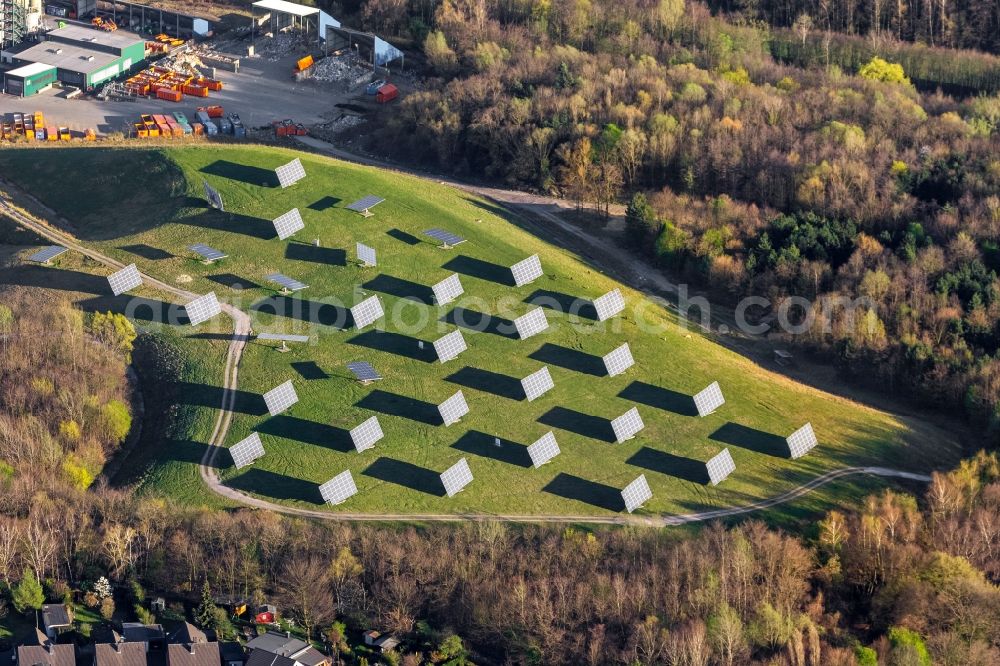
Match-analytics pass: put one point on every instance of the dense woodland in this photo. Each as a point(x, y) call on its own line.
point(901, 580)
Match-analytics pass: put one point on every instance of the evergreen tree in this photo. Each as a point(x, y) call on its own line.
point(206, 614)
point(27, 595)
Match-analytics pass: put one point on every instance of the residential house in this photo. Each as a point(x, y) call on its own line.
point(56, 620)
point(188, 646)
point(381, 642)
point(232, 654)
point(46, 653)
point(277, 649)
point(120, 654)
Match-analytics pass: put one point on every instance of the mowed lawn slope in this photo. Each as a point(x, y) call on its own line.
point(156, 208)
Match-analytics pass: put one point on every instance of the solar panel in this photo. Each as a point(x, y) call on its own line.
point(366, 255)
point(720, 467)
point(447, 238)
point(456, 477)
point(709, 399)
point(202, 308)
point(47, 254)
point(362, 205)
point(247, 451)
point(531, 324)
point(537, 383)
point(447, 289)
point(453, 409)
point(802, 441)
point(363, 371)
point(280, 398)
point(365, 435)
point(367, 312)
point(636, 493)
point(288, 224)
point(213, 197)
point(339, 488)
point(527, 270)
point(287, 283)
point(543, 450)
point(627, 425)
point(283, 337)
point(207, 253)
point(608, 305)
point(618, 360)
point(449, 346)
point(291, 173)
point(125, 280)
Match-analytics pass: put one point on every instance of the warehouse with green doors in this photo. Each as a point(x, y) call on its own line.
point(29, 80)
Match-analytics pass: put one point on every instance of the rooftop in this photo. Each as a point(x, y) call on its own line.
point(67, 56)
point(55, 615)
point(118, 39)
point(122, 654)
point(284, 7)
point(30, 70)
point(193, 654)
point(277, 643)
point(134, 632)
point(47, 654)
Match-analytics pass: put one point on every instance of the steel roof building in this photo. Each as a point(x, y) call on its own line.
point(83, 57)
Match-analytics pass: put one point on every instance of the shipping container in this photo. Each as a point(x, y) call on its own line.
point(170, 95)
point(65, 134)
point(386, 93)
point(52, 134)
point(225, 126)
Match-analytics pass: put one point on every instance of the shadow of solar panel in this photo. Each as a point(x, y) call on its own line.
point(527, 270)
point(709, 399)
point(636, 493)
point(365, 435)
point(366, 255)
point(247, 451)
point(367, 312)
point(447, 238)
point(291, 284)
point(802, 441)
point(280, 398)
point(543, 450)
point(449, 346)
point(363, 371)
point(456, 477)
point(609, 304)
point(618, 360)
point(339, 488)
point(362, 205)
point(202, 308)
point(537, 383)
point(720, 466)
point(125, 280)
point(531, 324)
point(47, 254)
point(627, 425)
point(447, 289)
point(288, 224)
point(291, 173)
point(207, 253)
point(453, 409)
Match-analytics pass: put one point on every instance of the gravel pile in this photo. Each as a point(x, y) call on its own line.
point(346, 70)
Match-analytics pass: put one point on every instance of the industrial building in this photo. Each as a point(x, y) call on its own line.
point(29, 80)
point(83, 57)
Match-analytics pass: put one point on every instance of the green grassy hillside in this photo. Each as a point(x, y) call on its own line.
point(157, 208)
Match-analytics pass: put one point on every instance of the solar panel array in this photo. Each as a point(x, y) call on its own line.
point(125, 280)
point(608, 305)
point(207, 253)
point(289, 224)
point(636, 493)
point(627, 425)
point(362, 205)
point(618, 360)
point(537, 383)
point(527, 270)
point(286, 282)
point(365, 435)
point(456, 477)
point(802, 441)
point(531, 324)
point(366, 255)
point(284, 337)
point(339, 488)
point(291, 173)
point(543, 450)
point(447, 289)
point(720, 466)
point(280, 398)
point(367, 312)
point(447, 238)
point(363, 371)
point(203, 308)
point(449, 346)
point(247, 451)
point(709, 399)
point(453, 409)
point(213, 197)
point(47, 254)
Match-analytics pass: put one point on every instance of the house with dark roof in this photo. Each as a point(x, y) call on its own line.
point(120, 654)
point(193, 654)
point(232, 654)
point(46, 653)
point(152, 636)
point(56, 620)
point(277, 649)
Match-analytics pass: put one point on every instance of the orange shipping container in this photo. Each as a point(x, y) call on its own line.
point(170, 95)
point(195, 90)
point(164, 130)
